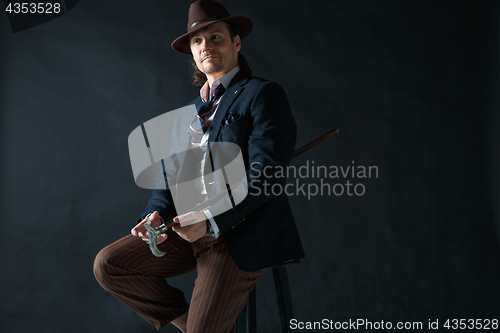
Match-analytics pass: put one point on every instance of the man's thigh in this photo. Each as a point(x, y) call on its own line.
point(133, 254)
point(129, 271)
point(221, 289)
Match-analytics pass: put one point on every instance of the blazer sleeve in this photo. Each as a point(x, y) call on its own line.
point(270, 142)
point(161, 199)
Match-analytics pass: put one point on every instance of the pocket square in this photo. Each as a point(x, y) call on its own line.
point(229, 118)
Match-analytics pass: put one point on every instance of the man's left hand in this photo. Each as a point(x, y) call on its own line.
point(195, 226)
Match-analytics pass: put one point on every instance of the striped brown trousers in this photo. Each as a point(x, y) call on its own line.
point(129, 271)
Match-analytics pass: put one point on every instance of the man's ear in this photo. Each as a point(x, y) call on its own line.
point(237, 43)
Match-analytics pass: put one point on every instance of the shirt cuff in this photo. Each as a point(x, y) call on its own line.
point(142, 218)
point(212, 222)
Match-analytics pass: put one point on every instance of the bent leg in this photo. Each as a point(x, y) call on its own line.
point(130, 272)
point(221, 289)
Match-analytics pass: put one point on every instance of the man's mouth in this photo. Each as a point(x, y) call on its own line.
point(210, 57)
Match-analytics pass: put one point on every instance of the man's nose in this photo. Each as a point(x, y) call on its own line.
point(206, 45)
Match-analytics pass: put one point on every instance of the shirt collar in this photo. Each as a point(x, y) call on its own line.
point(224, 80)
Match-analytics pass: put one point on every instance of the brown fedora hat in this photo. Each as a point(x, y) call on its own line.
point(205, 12)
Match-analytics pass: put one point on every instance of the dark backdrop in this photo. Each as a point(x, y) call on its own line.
point(412, 85)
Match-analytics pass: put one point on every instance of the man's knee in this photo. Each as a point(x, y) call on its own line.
point(101, 265)
point(107, 261)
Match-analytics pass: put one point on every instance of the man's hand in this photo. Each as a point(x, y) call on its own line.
point(140, 230)
point(195, 226)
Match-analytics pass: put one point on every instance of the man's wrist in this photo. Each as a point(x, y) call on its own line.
point(210, 219)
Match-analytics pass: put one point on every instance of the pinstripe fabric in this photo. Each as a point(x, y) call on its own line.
point(129, 271)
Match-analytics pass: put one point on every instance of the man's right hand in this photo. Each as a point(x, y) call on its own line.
point(140, 230)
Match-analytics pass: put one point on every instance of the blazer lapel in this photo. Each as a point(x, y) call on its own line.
point(232, 92)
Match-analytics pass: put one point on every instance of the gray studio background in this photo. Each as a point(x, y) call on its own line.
point(412, 85)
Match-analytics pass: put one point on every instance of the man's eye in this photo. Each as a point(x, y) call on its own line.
point(215, 37)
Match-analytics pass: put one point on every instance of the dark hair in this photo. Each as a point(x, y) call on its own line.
point(199, 78)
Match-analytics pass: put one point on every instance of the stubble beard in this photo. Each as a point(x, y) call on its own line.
point(216, 68)
point(211, 68)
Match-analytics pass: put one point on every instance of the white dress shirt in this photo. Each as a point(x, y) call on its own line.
point(205, 93)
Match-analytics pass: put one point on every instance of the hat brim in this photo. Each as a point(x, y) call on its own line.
point(242, 23)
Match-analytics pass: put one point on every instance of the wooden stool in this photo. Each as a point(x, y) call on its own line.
point(247, 319)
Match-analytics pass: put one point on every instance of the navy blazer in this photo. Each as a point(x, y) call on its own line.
point(254, 114)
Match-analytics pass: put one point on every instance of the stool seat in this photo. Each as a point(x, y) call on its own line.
point(247, 319)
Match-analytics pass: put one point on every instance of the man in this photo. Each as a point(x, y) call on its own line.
point(229, 249)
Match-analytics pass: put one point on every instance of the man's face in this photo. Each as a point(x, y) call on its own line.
point(213, 51)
